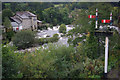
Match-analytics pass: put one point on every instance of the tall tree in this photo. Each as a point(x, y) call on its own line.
point(7, 23)
point(6, 13)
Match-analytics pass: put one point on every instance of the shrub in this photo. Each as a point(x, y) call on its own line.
point(55, 38)
point(10, 63)
point(53, 62)
point(51, 26)
point(24, 39)
point(10, 34)
point(62, 28)
point(56, 35)
point(77, 40)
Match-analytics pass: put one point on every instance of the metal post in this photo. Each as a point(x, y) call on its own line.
point(96, 18)
point(106, 55)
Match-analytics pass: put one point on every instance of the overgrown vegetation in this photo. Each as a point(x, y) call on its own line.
point(24, 39)
point(84, 58)
point(54, 62)
point(42, 41)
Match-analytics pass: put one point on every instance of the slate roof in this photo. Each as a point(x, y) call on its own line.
point(39, 21)
point(16, 19)
point(14, 24)
point(25, 14)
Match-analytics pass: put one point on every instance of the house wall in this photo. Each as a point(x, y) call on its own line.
point(26, 23)
point(34, 22)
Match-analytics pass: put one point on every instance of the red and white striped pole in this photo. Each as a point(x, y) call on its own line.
point(111, 18)
point(96, 18)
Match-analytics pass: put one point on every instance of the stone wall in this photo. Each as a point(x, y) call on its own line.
point(26, 23)
point(34, 22)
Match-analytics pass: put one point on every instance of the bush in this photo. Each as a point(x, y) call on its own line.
point(53, 62)
point(51, 26)
point(24, 39)
point(10, 63)
point(55, 38)
point(56, 35)
point(10, 34)
point(77, 40)
point(62, 29)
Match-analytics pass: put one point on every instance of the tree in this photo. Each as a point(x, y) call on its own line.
point(24, 39)
point(91, 46)
point(10, 34)
point(6, 13)
point(56, 15)
point(7, 23)
point(8, 28)
point(62, 28)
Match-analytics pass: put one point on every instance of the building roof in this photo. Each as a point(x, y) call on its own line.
point(14, 24)
point(25, 14)
point(16, 19)
point(39, 21)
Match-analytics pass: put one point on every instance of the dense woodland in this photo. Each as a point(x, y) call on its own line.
point(84, 58)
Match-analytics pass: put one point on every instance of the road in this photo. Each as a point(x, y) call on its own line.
point(51, 32)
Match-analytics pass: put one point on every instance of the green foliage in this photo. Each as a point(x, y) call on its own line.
point(114, 51)
point(82, 21)
point(51, 26)
point(6, 13)
point(56, 35)
point(77, 40)
point(91, 46)
point(104, 10)
point(55, 61)
point(7, 36)
point(42, 27)
point(24, 39)
point(62, 29)
point(55, 38)
point(48, 63)
point(10, 63)
point(56, 16)
point(79, 5)
point(7, 23)
point(59, 62)
point(94, 76)
point(10, 34)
